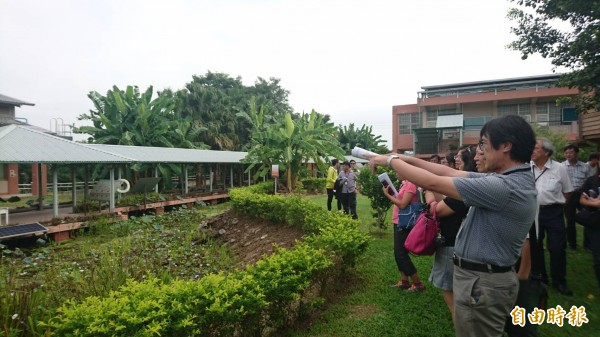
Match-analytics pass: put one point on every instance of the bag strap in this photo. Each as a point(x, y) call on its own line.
point(434, 206)
point(421, 196)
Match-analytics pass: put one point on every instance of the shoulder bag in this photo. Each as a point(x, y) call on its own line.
point(421, 239)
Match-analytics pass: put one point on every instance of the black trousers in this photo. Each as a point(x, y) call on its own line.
point(594, 235)
point(330, 196)
point(570, 211)
point(552, 225)
point(403, 261)
point(349, 204)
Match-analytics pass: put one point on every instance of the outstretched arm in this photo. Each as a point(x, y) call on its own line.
point(420, 176)
point(437, 169)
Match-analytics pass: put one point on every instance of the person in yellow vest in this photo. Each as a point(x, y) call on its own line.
point(332, 175)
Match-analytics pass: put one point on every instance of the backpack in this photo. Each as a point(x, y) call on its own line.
point(408, 216)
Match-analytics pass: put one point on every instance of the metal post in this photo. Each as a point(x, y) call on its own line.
point(210, 178)
point(231, 176)
point(40, 188)
point(119, 175)
point(185, 179)
point(55, 190)
point(86, 182)
point(156, 176)
point(74, 189)
point(111, 200)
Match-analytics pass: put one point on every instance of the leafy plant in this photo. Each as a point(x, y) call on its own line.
point(313, 185)
point(372, 189)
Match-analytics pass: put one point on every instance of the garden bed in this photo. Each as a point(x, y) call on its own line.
point(251, 238)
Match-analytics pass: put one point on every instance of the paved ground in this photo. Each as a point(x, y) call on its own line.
point(39, 216)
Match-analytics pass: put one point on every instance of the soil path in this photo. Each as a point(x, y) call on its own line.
point(251, 238)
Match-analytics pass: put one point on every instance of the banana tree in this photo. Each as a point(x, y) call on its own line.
point(292, 143)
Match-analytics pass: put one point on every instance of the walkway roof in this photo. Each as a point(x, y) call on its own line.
point(21, 144)
point(26, 144)
point(148, 154)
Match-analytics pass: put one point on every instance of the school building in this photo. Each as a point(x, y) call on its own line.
point(450, 115)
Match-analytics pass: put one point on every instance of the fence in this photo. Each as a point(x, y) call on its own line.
point(62, 187)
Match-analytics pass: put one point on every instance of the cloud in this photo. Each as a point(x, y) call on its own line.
point(350, 59)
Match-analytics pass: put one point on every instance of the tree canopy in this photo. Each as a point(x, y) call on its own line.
point(216, 99)
point(351, 136)
point(576, 47)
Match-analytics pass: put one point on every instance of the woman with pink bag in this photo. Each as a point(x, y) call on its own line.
point(406, 208)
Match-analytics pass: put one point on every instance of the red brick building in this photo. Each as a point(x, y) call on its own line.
point(447, 116)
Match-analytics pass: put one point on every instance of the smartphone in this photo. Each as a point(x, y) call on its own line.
point(386, 182)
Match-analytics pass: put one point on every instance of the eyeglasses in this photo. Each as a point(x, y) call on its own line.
point(481, 144)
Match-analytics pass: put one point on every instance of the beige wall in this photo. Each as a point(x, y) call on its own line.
point(479, 109)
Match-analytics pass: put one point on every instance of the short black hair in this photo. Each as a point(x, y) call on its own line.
point(450, 158)
point(334, 161)
point(352, 161)
point(346, 163)
point(571, 146)
point(594, 155)
point(511, 129)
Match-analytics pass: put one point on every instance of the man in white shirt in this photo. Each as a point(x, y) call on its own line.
point(554, 188)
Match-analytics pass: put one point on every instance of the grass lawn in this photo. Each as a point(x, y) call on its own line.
point(373, 309)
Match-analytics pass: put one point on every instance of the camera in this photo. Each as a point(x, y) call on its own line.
point(592, 193)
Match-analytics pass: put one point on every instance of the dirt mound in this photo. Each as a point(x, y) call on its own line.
point(250, 238)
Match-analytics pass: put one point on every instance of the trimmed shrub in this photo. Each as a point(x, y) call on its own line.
point(263, 298)
point(314, 185)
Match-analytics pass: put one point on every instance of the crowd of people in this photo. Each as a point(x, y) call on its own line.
point(497, 203)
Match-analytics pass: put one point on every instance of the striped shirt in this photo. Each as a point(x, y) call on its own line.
point(502, 209)
point(578, 173)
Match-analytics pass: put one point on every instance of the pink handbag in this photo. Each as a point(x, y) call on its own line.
point(421, 239)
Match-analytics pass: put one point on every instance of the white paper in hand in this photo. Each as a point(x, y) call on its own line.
point(362, 153)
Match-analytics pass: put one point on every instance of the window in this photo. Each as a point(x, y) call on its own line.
point(408, 122)
point(547, 114)
point(475, 123)
point(2, 174)
point(433, 114)
point(521, 109)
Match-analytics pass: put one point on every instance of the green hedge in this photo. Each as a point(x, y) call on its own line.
point(313, 185)
point(264, 297)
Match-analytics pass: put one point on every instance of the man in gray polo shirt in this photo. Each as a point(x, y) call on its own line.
point(503, 207)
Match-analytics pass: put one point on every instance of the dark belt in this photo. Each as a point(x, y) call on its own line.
point(551, 206)
point(482, 267)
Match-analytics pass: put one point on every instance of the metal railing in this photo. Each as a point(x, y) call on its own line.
point(62, 187)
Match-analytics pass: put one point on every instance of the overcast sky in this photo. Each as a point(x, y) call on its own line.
point(350, 59)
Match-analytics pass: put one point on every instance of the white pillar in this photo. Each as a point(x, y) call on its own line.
point(55, 190)
point(111, 199)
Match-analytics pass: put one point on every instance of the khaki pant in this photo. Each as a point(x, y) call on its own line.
point(483, 301)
